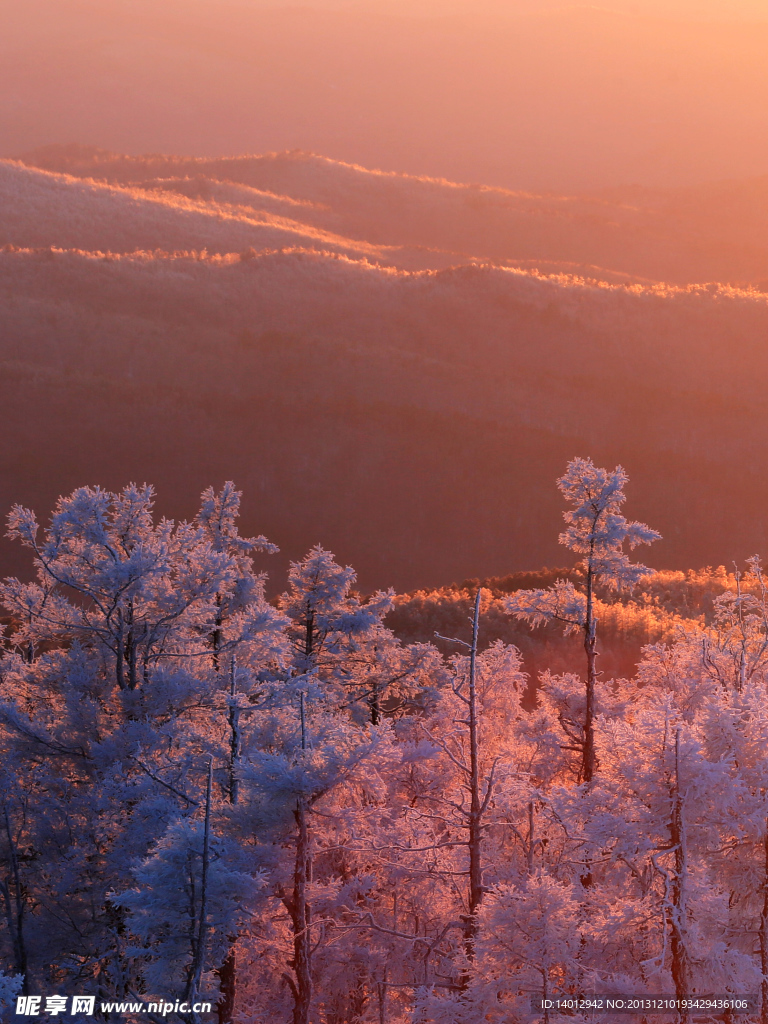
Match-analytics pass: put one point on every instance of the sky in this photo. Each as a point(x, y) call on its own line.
point(728, 10)
point(523, 94)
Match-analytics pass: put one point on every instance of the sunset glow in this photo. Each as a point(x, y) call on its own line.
point(384, 612)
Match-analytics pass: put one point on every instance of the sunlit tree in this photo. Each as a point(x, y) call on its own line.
point(597, 531)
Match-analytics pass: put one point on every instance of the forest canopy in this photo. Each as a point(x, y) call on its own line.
point(335, 807)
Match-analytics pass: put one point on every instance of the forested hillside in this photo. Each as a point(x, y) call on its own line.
point(405, 404)
point(713, 232)
point(665, 604)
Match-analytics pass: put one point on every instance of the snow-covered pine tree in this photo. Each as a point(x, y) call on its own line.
point(240, 612)
point(597, 530)
point(311, 742)
point(108, 707)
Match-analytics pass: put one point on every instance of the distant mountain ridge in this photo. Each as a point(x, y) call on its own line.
point(407, 405)
point(704, 233)
point(522, 95)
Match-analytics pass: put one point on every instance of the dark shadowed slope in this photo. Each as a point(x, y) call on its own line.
point(413, 421)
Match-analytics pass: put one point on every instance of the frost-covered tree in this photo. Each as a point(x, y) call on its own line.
point(330, 626)
point(243, 595)
point(676, 806)
point(464, 819)
point(531, 939)
point(10, 987)
point(465, 753)
point(111, 579)
point(240, 611)
point(715, 675)
point(597, 530)
point(314, 743)
point(308, 778)
point(205, 793)
point(190, 893)
point(12, 882)
point(109, 704)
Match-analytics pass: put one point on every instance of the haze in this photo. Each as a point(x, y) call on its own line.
point(566, 252)
point(521, 95)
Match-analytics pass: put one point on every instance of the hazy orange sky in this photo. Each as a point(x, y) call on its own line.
point(524, 94)
point(721, 9)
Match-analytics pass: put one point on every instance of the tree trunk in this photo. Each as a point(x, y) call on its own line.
point(298, 904)
point(120, 654)
point(235, 741)
point(131, 657)
point(681, 966)
point(589, 761)
point(381, 992)
point(358, 998)
point(225, 1007)
point(14, 908)
point(218, 634)
point(475, 811)
point(764, 939)
point(309, 636)
point(130, 649)
point(374, 702)
point(531, 851)
point(198, 958)
point(300, 914)
point(545, 995)
point(588, 764)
